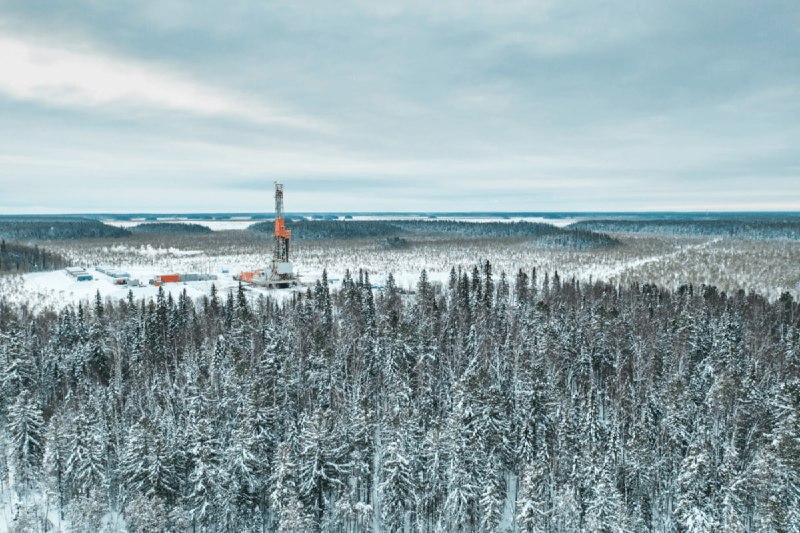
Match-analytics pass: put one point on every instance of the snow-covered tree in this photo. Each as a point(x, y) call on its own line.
point(397, 487)
point(285, 502)
point(26, 428)
point(85, 453)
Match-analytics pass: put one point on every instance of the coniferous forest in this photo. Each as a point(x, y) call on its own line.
point(489, 403)
point(17, 258)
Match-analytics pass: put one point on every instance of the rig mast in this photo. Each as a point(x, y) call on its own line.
point(281, 273)
point(282, 235)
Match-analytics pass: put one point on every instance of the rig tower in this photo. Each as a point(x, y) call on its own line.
point(282, 268)
point(281, 273)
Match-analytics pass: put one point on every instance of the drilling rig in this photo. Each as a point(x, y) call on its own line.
point(281, 273)
point(282, 269)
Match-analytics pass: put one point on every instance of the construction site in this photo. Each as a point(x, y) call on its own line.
point(175, 270)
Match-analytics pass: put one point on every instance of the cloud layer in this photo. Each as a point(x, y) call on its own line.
point(58, 77)
point(524, 106)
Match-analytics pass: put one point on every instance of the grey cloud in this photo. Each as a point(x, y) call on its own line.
point(674, 95)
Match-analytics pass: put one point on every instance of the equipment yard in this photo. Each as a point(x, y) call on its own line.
point(57, 287)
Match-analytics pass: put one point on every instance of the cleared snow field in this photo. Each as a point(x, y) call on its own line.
point(767, 267)
point(213, 225)
point(67, 289)
point(57, 288)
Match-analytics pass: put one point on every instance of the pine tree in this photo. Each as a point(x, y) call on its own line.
point(85, 512)
point(781, 468)
point(695, 491)
point(321, 462)
point(521, 287)
point(147, 464)
point(99, 309)
point(26, 428)
point(203, 458)
point(147, 515)
point(396, 488)
point(287, 506)
point(85, 468)
point(534, 508)
point(242, 307)
point(54, 461)
point(243, 465)
point(463, 488)
point(18, 365)
point(605, 512)
point(493, 496)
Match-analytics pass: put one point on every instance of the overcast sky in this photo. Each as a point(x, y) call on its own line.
point(167, 106)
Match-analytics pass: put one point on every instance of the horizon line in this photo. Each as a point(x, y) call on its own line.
point(406, 213)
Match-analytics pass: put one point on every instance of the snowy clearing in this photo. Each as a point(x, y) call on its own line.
point(213, 225)
point(240, 223)
point(768, 267)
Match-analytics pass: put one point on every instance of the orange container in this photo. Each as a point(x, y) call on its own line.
point(247, 277)
point(169, 278)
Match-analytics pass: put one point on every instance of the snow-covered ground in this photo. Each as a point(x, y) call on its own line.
point(28, 514)
point(214, 225)
point(763, 266)
point(65, 288)
point(238, 223)
point(558, 222)
point(57, 288)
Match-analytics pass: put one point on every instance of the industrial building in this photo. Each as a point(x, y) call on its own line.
point(117, 277)
point(178, 278)
point(80, 274)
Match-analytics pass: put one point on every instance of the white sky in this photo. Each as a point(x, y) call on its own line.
point(407, 106)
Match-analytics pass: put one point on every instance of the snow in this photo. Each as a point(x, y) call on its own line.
point(235, 223)
point(46, 504)
point(557, 222)
point(729, 264)
point(613, 272)
point(243, 222)
point(667, 262)
point(639, 258)
point(149, 251)
point(57, 288)
point(510, 505)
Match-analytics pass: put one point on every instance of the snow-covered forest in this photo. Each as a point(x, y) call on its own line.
point(527, 402)
point(53, 227)
point(742, 226)
point(545, 235)
point(19, 258)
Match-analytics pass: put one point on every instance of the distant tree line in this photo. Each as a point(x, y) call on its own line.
point(740, 227)
point(575, 238)
point(169, 227)
point(44, 228)
point(315, 230)
point(20, 258)
point(533, 404)
point(544, 235)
